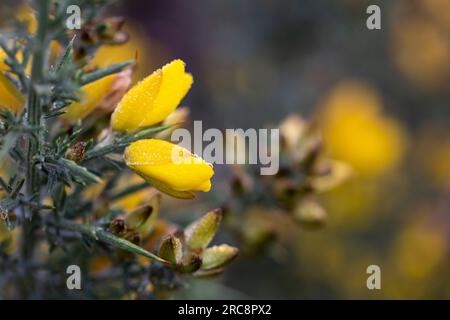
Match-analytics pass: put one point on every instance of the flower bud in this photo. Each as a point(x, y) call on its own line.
point(309, 213)
point(171, 249)
point(200, 233)
point(117, 91)
point(133, 237)
point(291, 130)
point(257, 238)
point(218, 256)
point(118, 226)
point(153, 208)
point(76, 153)
point(191, 263)
point(138, 217)
point(338, 173)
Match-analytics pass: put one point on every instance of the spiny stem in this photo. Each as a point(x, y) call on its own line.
point(97, 233)
point(33, 120)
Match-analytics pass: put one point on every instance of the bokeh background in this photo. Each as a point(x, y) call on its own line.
point(382, 99)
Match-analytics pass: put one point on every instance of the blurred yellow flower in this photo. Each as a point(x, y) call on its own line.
point(100, 264)
point(433, 152)
point(91, 96)
point(138, 47)
point(356, 131)
point(3, 65)
point(135, 199)
point(8, 238)
point(152, 99)
point(419, 249)
point(427, 68)
point(27, 16)
point(439, 10)
point(169, 168)
point(10, 97)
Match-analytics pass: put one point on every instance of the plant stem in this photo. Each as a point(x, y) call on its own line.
point(33, 119)
point(124, 141)
point(97, 233)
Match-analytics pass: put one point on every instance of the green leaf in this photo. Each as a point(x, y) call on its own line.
point(79, 171)
point(66, 56)
point(124, 141)
point(8, 142)
point(101, 73)
point(98, 233)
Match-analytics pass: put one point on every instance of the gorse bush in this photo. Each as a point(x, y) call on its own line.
point(74, 141)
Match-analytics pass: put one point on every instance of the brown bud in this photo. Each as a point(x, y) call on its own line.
point(77, 152)
point(108, 28)
point(118, 226)
point(133, 237)
point(191, 263)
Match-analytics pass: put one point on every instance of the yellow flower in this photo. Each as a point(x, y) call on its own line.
point(3, 65)
point(169, 168)
point(92, 94)
point(10, 97)
point(356, 131)
point(433, 153)
point(139, 47)
point(153, 99)
point(26, 15)
point(135, 199)
point(420, 248)
point(8, 238)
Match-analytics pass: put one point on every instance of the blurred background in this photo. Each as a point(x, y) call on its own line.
point(382, 100)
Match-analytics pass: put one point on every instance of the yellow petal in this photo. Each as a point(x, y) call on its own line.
point(10, 97)
point(153, 99)
point(3, 65)
point(92, 94)
point(26, 15)
point(170, 168)
point(19, 57)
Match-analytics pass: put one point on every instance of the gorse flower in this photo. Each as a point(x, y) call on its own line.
point(10, 96)
point(152, 99)
point(169, 168)
point(358, 132)
point(75, 170)
point(3, 65)
point(91, 96)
